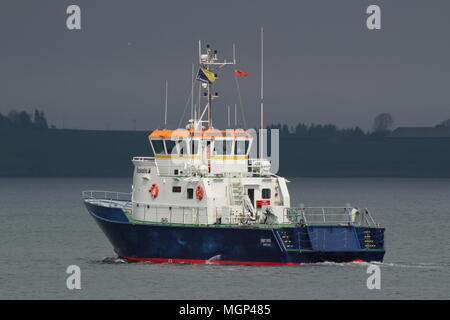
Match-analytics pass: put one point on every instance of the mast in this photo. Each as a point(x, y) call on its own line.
point(210, 63)
point(209, 91)
point(210, 119)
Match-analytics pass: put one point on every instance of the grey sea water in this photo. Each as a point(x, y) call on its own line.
point(44, 228)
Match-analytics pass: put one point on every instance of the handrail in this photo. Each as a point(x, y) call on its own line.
point(169, 214)
point(280, 242)
point(106, 195)
point(329, 216)
point(143, 158)
point(189, 168)
point(306, 216)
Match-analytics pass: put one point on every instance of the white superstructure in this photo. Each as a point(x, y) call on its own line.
point(208, 172)
point(203, 175)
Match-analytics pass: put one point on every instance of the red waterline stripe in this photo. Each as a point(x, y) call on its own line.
point(198, 261)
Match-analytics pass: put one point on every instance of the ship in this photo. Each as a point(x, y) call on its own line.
point(201, 198)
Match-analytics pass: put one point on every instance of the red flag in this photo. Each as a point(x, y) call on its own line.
point(238, 73)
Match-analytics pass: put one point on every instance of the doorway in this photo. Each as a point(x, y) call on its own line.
point(251, 195)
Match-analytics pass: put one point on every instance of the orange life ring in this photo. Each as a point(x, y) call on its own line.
point(200, 192)
point(154, 190)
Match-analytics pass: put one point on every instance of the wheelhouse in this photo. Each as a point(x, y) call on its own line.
point(190, 143)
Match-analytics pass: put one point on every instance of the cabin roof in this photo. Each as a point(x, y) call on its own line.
point(205, 133)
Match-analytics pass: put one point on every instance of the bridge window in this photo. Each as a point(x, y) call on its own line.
point(229, 146)
point(170, 145)
point(176, 189)
point(241, 147)
point(194, 147)
point(266, 193)
point(190, 193)
point(158, 146)
point(183, 147)
point(222, 147)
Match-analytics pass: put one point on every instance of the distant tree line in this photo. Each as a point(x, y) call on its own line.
point(23, 120)
point(382, 125)
point(302, 130)
point(444, 124)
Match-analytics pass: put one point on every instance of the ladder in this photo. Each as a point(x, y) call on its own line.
point(285, 237)
point(237, 193)
point(368, 240)
point(249, 205)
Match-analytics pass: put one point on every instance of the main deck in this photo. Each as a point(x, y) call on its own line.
point(197, 216)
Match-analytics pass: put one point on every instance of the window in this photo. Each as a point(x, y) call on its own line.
point(183, 147)
point(158, 146)
point(218, 147)
point(228, 147)
point(190, 193)
point(176, 189)
point(223, 147)
point(266, 193)
point(170, 145)
point(194, 147)
point(241, 147)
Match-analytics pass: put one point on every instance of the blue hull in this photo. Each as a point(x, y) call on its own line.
point(237, 245)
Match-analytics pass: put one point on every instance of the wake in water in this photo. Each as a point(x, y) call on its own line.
point(112, 260)
point(421, 265)
point(383, 264)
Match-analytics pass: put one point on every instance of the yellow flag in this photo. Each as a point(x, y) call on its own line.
point(205, 75)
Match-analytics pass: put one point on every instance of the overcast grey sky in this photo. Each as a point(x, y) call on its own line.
point(322, 64)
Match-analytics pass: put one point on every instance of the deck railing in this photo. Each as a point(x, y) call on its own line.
point(186, 168)
point(108, 198)
point(329, 216)
point(306, 216)
point(106, 195)
point(169, 214)
point(187, 215)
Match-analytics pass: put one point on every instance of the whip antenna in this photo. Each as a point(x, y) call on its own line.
point(262, 95)
point(165, 109)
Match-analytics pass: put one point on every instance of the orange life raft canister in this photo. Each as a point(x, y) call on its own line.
point(154, 190)
point(200, 192)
